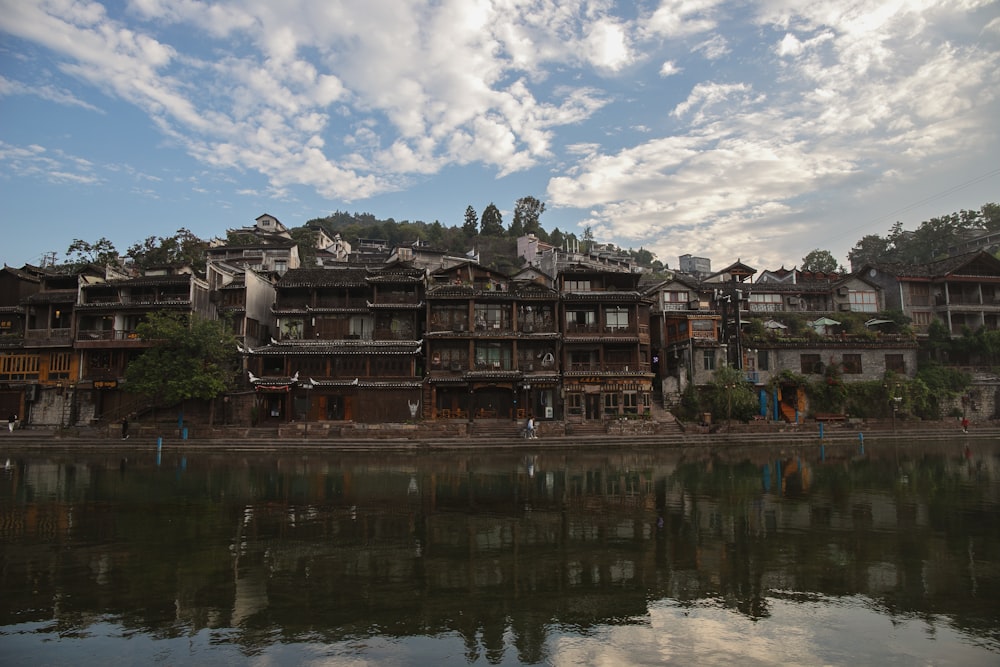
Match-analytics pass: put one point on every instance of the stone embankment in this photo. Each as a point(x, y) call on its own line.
point(428, 437)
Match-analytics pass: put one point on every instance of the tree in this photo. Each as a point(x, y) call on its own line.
point(102, 252)
point(819, 261)
point(181, 248)
point(527, 212)
point(491, 224)
point(471, 224)
point(588, 238)
point(305, 238)
point(731, 395)
point(190, 357)
point(871, 249)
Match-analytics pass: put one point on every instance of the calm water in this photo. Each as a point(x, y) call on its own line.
point(727, 556)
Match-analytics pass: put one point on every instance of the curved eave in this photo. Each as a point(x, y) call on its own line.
point(339, 348)
point(397, 306)
point(570, 339)
point(494, 375)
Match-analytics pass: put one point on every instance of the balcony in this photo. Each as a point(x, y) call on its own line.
point(106, 337)
point(46, 337)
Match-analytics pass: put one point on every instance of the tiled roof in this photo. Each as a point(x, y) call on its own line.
point(338, 347)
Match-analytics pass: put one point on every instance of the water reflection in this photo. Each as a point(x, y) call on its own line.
point(508, 558)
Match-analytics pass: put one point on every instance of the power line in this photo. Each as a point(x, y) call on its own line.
point(925, 200)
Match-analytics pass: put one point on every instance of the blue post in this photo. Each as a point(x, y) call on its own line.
point(861, 437)
point(184, 434)
point(821, 430)
point(159, 449)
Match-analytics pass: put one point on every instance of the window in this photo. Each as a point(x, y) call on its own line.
point(630, 402)
point(921, 318)
point(492, 356)
point(895, 363)
point(763, 360)
point(765, 302)
point(708, 360)
point(611, 404)
point(810, 363)
point(852, 364)
point(581, 320)
point(19, 367)
point(676, 300)
point(863, 301)
point(574, 403)
point(616, 319)
point(450, 358)
point(576, 286)
point(490, 317)
point(59, 365)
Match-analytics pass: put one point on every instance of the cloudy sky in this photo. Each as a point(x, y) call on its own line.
point(729, 130)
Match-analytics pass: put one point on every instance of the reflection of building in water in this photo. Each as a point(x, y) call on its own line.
point(348, 546)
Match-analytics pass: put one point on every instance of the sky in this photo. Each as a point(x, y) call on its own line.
point(736, 131)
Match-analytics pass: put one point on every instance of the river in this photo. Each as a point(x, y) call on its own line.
point(806, 554)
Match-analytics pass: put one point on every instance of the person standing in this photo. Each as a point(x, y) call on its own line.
point(11, 421)
point(965, 424)
point(530, 428)
point(124, 428)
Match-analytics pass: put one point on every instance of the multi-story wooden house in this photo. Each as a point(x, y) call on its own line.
point(107, 314)
point(492, 346)
point(963, 292)
point(20, 370)
point(606, 355)
point(348, 347)
point(685, 335)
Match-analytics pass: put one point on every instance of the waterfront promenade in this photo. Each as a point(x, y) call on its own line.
point(240, 439)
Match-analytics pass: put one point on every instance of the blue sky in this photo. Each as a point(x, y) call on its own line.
point(728, 130)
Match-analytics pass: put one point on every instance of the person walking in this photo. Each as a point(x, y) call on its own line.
point(11, 421)
point(965, 424)
point(124, 428)
point(530, 428)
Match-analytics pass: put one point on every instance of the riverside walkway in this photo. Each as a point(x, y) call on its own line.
point(49, 439)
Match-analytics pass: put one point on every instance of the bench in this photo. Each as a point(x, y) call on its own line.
point(830, 417)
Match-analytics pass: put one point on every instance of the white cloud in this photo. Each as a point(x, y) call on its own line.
point(713, 48)
point(670, 68)
point(681, 18)
point(51, 93)
point(790, 45)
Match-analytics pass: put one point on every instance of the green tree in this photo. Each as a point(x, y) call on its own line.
point(305, 238)
point(181, 248)
point(527, 214)
point(471, 224)
point(191, 358)
point(819, 261)
point(730, 395)
point(102, 252)
point(871, 249)
point(491, 223)
point(588, 239)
